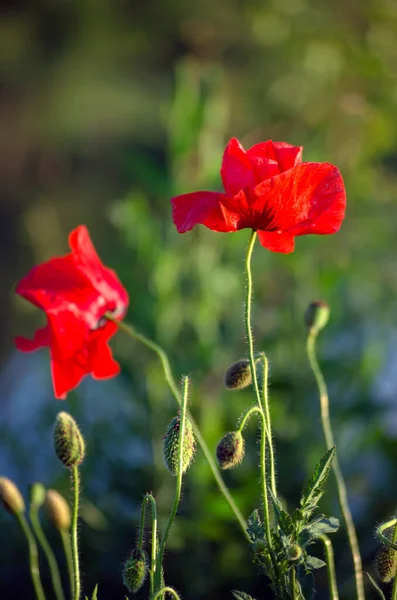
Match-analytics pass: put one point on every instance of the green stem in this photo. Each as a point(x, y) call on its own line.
point(246, 417)
point(167, 590)
point(52, 563)
point(265, 393)
point(382, 538)
point(329, 558)
point(394, 590)
point(75, 548)
point(150, 498)
point(179, 475)
point(292, 576)
point(329, 441)
point(67, 548)
point(264, 431)
point(33, 557)
point(131, 331)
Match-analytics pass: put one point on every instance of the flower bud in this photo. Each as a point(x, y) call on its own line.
point(317, 316)
point(230, 450)
point(68, 441)
point(11, 497)
point(294, 552)
point(58, 510)
point(238, 376)
point(135, 570)
point(37, 493)
point(171, 445)
point(386, 564)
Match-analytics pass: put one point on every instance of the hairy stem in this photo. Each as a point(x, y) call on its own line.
point(382, 538)
point(52, 563)
point(74, 533)
point(166, 590)
point(265, 393)
point(179, 475)
point(67, 548)
point(149, 498)
point(133, 333)
point(329, 441)
point(329, 559)
point(33, 557)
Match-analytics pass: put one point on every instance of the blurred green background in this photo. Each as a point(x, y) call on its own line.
point(107, 109)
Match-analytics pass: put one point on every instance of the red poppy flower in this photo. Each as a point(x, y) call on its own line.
point(75, 291)
point(267, 188)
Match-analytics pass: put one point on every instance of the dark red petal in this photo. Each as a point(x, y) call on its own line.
point(41, 338)
point(277, 241)
point(263, 160)
point(237, 171)
point(310, 198)
point(287, 156)
point(66, 375)
point(205, 208)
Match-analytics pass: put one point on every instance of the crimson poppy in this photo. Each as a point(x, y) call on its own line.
point(75, 291)
point(269, 189)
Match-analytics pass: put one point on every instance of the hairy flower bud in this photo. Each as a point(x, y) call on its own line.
point(135, 570)
point(37, 493)
point(238, 376)
point(230, 450)
point(294, 552)
point(171, 445)
point(11, 497)
point(68, 441)
point(386, 564)
point(58, 510)
point(317, 316)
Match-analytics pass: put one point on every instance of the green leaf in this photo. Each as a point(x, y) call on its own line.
point(306, 581)
point(242, 595)
point(314, 488)
point(376, 586)
point(284, 521)
point(95, 593)
point(255, 528)
point(316, 528)
point(312, 562)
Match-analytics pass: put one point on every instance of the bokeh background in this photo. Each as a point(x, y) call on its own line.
point(109, 108)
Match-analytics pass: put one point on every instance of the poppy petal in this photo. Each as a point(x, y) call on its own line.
point(237, 171)
point(277, 241)
point(103, 364)
point(205, 208)
point(287, 156)
point(310, 198)
point(41, 338)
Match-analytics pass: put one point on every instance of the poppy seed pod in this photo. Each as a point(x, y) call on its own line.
point(317, 316)
point(58, 510)
point(238, 376)
point(135, 570)
point(386, 564)
point(68, 441)
point(230, 450)
point(11, 497)
point(171, 445)
point(37, 494)
point(294, 552)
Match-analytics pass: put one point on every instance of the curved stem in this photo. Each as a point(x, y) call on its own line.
point(67, 548)
point(179, 475)
point(151, 499)
point(382, 538)
point(75, 548)
point(52, 563)
point(33, 557)
point(329, 558)
point(329, 441)
point(265, 393)
point(133, 333)
point(246, 417)
point(166, 590)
